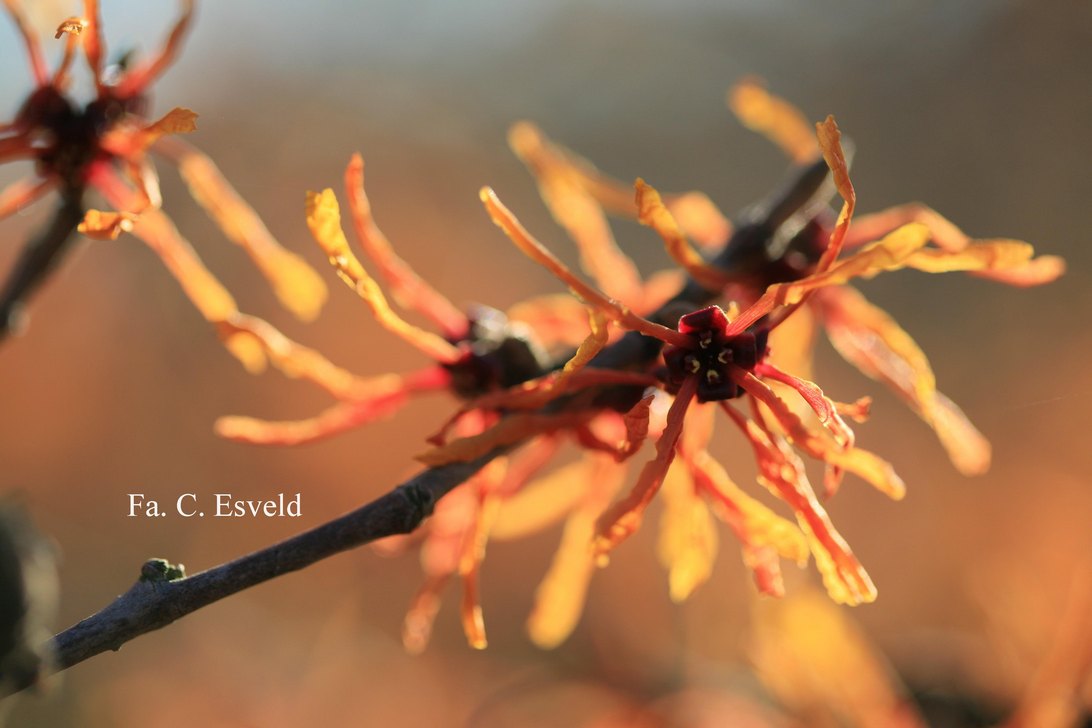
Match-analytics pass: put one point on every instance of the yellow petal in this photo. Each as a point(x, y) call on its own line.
point(687, 545)
point(324, 221)
point(297, 285)
point(543, 502)
point(407, 287)
point(867, 337)
point(652, 212)
point(578, 212)
point(774, 118)
point(504, 219)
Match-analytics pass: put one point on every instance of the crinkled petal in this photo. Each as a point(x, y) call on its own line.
point(763, 534)
point(867, 465)
point(795, 292)
point(823, 406)
point(782, 473)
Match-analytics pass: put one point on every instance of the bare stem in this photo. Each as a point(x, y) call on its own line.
point(156, 600)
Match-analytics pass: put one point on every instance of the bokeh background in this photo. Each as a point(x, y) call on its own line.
point(981, 109)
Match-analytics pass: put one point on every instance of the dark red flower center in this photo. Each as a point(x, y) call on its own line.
point(713, 355)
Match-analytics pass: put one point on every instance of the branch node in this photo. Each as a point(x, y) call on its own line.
point(421, 500)
point(159, 570)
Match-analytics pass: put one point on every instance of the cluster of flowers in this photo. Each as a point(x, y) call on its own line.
point(730, 328)
point(781, 273)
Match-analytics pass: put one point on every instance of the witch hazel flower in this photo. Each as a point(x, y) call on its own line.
point(105, 146)
point(781, 241)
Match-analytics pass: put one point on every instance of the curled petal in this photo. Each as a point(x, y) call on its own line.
point(72, 27)
point(830, 143)
point(578, 212)
point(774, 118)
point(687, 545)
point(324, 220)
point(636, 423)
point(298, 287)
point(782, 473)
point(763, 534)
point(99, 225)
point(881, 256)
point(867, 337)
point(94, 48)
point(822, 405)
point(624, 517)
point(652, 212)
point(176, 121)
point(534, 250)
point(867, 465)
point(890, 253)
point(406, 286)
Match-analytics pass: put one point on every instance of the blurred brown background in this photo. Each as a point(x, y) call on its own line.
point(982, 110)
